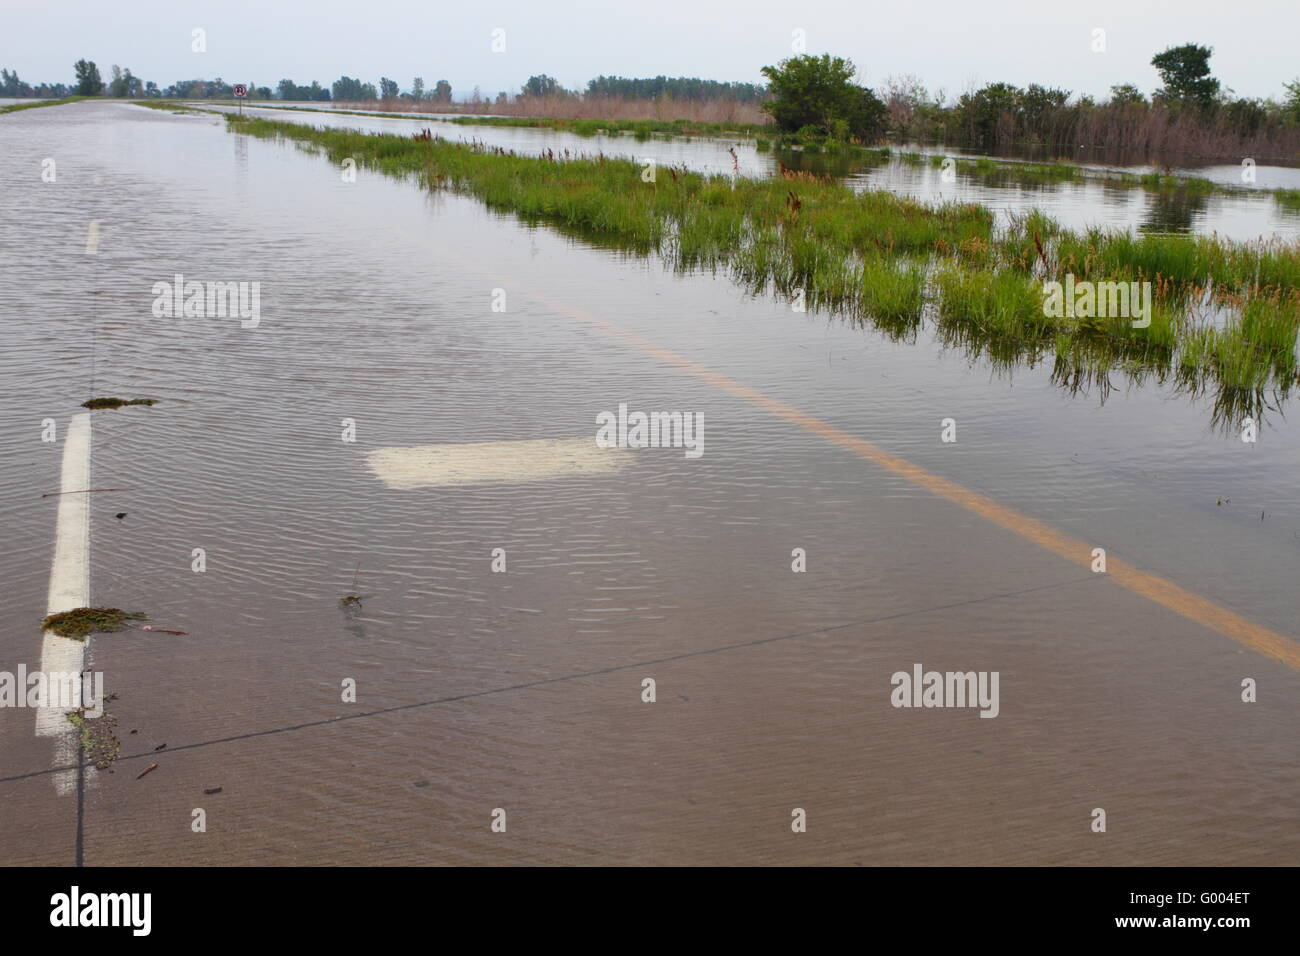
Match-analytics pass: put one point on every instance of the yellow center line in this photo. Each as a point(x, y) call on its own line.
point(1162, 591)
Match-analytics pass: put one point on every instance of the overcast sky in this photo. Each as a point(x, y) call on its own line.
point(946, 43)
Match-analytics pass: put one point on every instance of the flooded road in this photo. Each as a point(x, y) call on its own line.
point(522, 690)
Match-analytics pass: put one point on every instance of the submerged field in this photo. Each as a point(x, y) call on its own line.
point(1224, 314)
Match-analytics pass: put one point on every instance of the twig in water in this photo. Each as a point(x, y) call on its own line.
point(83, 491)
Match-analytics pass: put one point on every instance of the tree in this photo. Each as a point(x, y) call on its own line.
point(819, 92)
point(417, 89)
point(442, 91)
point(10, 85)
point(988, 111)
point(1292, 104)
point(346, 88)
point(1185, 72)
point(1037, 103)
point(1125, 94)
point(387, 89)
point(89, 82)
point(541, 85)
point(674, 87)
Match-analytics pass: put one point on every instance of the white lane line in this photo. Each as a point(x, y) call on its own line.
point(69, 588)
point(429, 466)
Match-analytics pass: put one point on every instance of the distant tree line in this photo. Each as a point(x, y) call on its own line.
point(124, 84)
point(675, 87)
point(819, 96)
point(11, 86)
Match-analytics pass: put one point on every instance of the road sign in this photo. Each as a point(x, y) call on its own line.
point(241, 89)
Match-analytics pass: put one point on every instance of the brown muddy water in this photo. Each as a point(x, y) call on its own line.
point(522, 691)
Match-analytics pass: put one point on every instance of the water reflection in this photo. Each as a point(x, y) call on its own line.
point(1176, 210)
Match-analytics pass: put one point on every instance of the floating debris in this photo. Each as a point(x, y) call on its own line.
point(159, 747)
point(149, 769)
point(120, 515)
point(115, 402)
point(211, 790)
point(98, 740)
point(82, 491)
point(352, 600)
point(81, 622)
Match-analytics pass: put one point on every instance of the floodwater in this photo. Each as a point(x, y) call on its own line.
point(1246, 214)
point(521, 691)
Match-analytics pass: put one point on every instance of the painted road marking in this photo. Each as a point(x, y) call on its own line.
point(1162, 591)
point(69, 588)
point(429, 466)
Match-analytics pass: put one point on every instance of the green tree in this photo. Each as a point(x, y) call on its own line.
point(125, 84)
point(387, 88)
point(988, 110)
point(442, 91)
point(819, 92)
point(541, 85)
point(417, 89)
point(1185, 72)
point(89, 82)
point(346, 88)
point(1037, 105)
point(1125, 94)
point(1292, 103)
point(10, 85)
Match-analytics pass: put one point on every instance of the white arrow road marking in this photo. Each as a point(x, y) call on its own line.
point(428, 466)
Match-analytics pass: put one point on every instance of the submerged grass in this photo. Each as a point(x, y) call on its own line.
point(865, 253)
point(99, 740)
point(15, 107)
point(81, 622)
point(641, 127)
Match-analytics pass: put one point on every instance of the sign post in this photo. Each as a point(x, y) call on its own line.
point(240, 91)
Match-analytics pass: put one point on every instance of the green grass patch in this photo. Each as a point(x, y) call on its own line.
point(864, 253)
point(37, 104)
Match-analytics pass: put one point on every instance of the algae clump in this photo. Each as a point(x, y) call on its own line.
point(83, 621)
